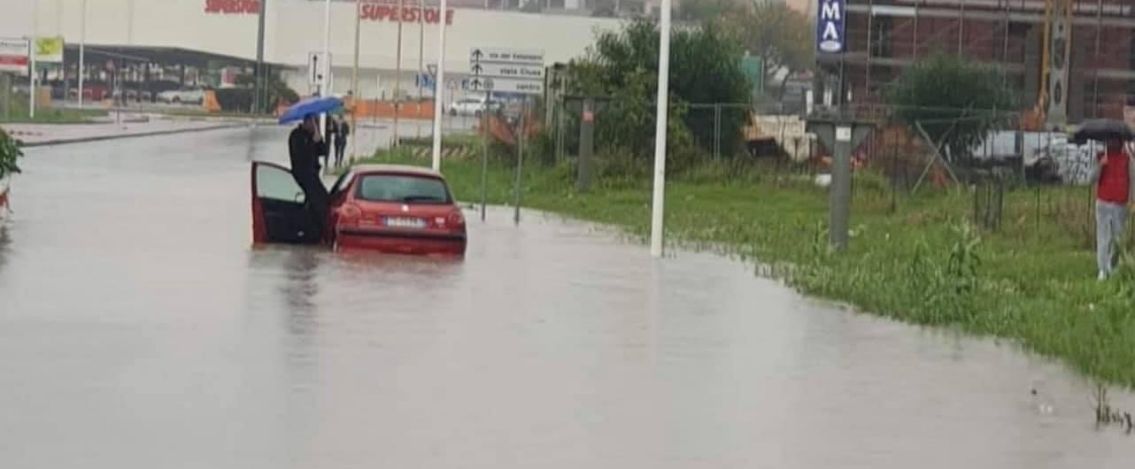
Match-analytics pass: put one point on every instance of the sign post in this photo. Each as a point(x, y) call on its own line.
point(508, 71)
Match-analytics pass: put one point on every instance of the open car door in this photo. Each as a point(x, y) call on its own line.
point(278, 213)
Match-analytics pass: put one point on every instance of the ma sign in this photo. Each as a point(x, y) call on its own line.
point(830, 27)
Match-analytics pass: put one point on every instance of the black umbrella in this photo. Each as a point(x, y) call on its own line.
point(1102, 130)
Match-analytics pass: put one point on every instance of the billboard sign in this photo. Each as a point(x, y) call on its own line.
point(830, 26)
point(14, 55)
point(49, 50)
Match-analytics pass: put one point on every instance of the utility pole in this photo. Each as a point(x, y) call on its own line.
point(355, 83)
point(421, 44)
point(398, 75)
point(323, 85)
point(82, 48)
point(32, 49)
point(439, 90)
point(261, 81)
point(656, 225)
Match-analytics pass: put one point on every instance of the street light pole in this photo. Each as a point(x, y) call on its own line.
point(439, 88)
point(656, 225)
point(398, 74)
point(31, 53)
point(261, 95)
point(82, 48)
point(355, 95)
point(323, 85)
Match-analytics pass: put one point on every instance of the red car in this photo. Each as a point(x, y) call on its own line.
point(397, 209)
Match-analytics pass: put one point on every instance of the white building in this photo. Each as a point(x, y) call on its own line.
point(295, 29)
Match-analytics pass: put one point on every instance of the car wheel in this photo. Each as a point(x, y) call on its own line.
point(176, 100)
point(453, 112)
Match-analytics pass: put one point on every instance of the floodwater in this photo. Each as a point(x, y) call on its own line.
point(138, 328)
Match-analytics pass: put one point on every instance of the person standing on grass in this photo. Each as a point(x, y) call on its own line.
point(342, 131)
point(1114, 180)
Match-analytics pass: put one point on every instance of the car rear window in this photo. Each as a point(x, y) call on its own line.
point(402, 188)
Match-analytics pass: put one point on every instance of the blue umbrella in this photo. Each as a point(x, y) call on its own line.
point(310, 106)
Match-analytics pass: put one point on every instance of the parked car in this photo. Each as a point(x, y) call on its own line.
point(473, 107)
point(192, 95)
point(387, 208)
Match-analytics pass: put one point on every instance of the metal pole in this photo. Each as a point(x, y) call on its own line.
point(398, 74)
point(259, 99)
point(840, 195)
point(439, 90)
point(31, 78)
point(656, 225)
point(82, 47)
point(519, 161)
point(355, 95)
point(323, 85)
point(421, 48)
point(484, 161)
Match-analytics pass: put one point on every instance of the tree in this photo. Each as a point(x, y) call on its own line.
point(705, 67)
point(9, 153)
point(956, 101)
point(779, 35)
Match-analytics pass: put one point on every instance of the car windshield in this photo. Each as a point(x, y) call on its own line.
point(402, 188)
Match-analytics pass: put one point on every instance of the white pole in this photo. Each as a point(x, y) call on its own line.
point(324, 86)
point(82, 47)
point(439, 85)
point(660, 133)
point(31, 79)
point(31, 54)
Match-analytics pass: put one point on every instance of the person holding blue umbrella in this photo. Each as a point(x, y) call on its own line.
point(305, 146)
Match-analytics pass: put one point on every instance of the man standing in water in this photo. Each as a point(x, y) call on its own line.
point(305, 146)
point(1113, 192)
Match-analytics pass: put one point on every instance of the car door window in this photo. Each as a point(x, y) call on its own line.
point(277, 184)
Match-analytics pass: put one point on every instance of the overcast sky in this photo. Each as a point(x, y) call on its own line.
point(16, 21)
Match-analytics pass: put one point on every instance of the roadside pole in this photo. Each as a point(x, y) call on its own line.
point(82, 47)
point(519, 161)
point(484, 161)
point(398, 74)
point(323, 85)
point(259, 100)
point(656, 225)
point(6, 84)
point(439, 90)
point(355, 85)
point(32, 49)
point(31, 78)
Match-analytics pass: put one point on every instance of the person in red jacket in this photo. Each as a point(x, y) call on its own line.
point(1113, 192)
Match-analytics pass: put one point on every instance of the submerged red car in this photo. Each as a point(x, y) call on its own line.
point(388, 208)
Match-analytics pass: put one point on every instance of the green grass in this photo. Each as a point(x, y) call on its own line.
point(1032, 281)
point(19, 115)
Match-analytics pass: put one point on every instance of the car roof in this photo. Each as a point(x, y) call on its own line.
point(363, 169)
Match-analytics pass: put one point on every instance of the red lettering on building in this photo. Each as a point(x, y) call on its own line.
point(232, 7)
point(381, 12)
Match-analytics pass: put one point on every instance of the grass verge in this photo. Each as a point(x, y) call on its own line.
point(917, 260)
point(19, 115)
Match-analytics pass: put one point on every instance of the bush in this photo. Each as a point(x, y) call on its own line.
point(9, 153)
point(235, 99)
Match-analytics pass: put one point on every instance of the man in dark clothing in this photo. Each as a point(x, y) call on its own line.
point(342, 131)
point(305, 146)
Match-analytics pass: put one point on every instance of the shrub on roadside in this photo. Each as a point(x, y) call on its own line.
point(10, 152)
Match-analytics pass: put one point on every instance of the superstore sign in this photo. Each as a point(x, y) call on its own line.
point(368, 11)
point(381, 12)
point(232, 7)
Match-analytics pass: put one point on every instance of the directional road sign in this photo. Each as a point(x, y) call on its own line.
point(512, 56)
point(506, 70)
point(521, 71)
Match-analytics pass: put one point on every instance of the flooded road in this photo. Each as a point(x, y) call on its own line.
point(139, 329)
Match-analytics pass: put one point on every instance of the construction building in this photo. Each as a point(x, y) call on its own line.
point(1068, 59)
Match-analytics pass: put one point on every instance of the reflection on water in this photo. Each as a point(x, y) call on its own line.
point(140, 329)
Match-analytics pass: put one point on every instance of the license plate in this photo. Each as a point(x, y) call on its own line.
point(405, 222)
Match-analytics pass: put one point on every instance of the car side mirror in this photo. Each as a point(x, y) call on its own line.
point(298, 198)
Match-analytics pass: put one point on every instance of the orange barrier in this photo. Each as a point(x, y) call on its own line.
point(365, 108)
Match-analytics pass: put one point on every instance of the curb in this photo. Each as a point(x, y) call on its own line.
point(122, 136)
